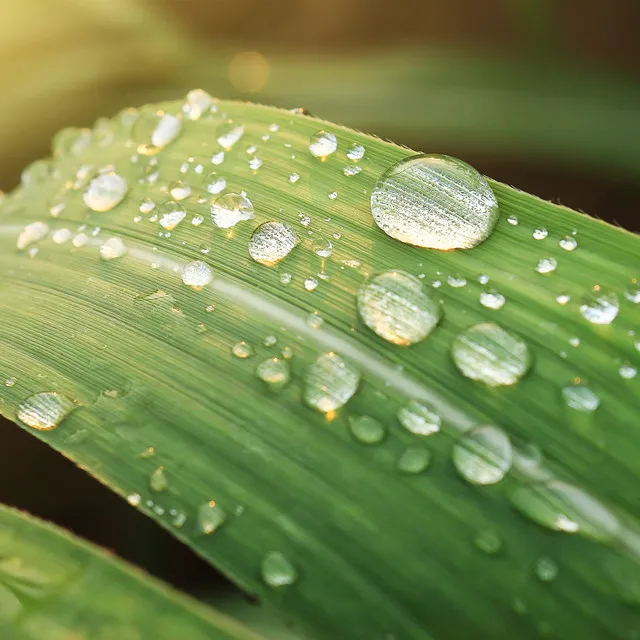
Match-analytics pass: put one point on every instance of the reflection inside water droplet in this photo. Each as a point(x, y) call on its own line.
point(44, 411)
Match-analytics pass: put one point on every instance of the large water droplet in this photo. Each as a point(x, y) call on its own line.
point(276, 373)
point(154, 130)
point(196, 102)
point(323, 144)
point(331, 382)
point(105, 192)
point(419, 419)
point(44, 411)
point(210, 517)
point(31, 234)
point(492, 299)
point(277, 571)
point(171, 215)
point(366, 429)
point(483, 455)
point(580, 397)
point(434, 201)
point(197, 274)
point(231, 208)
point(600, 306)
point(561, 506)
point(112, 248)
point(397, 307)
point(487, 353)
point(271, 241)
point(414, 460)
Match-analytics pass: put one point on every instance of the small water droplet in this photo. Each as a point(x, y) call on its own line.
point(492, 299)
point(487, 353)
point(231, 208)
point(540, 233)
point(351, 170)
point(627, 371)
point(434, 201)
point(274, 372)
point(568, 243)
point(197, 274)
point(215, 183)
point(44, 411)
point(272, 241)
point(488, 542)
point(196, 103)
point(418, 419)
point(10, 382)
point(366, 429)
point(314, 320)
point(112, 248)
point(513, 220)
point(79, 240)
point(154, 130)
point(294, 177)
point(632, 294)
point(242, 350)
point(60, 236)
point(146, 206)
point(57, 208)
point(255, 163)
point(323, 144)
point(600, 306)
point(158, 480)
point(333, 195)
point(171, 215)
point(179, 190)
point(414, 460)
point(546, 265)
point(105, 192)
point(356, 152)
point(580, 397)
point(228, 133)
point(563, 298)
point(31, 234)
point(546, 569)
point(134, 499)
point(398, 308)
point(210, 517)
point(71, 142)
point(323, 247)
point(483, 455)
point(310, 284)
point(277, 571)
point(331, 382)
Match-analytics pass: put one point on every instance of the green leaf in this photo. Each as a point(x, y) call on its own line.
point(348, 535)
point(53, 586)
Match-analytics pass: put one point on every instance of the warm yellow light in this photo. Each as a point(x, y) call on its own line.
point(249, 71)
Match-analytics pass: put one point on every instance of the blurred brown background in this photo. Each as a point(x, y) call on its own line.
point(540, 94)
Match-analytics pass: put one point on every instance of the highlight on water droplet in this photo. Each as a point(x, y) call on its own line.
point(366, 429)
point(418, 419)
point(197, 274)
point(487, 353)
point(112, 248)
point(277, 571)
point(210, 517)
point(272, 241)
point(397, 307)
point(323, 144)
point(414, 460)
point(331, 382)
point(171, 215)
point(228, 133)
point(231, 208)
point(154, 130)
point(44, 411)
point(196, 103)
point(105, 192)
point(483, 455)
point(275, 373)
point(356, 152)
point(580, 397)
point(492, 299)
point(434, 201)
point(600, 306)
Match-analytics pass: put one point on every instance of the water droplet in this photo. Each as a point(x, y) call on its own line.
point(210, 517)
point(277, 571)
point(274, 372)
point(171, 215)
point(561, 506)
point(112, 248)
point(540, 233)
point(154, 130)
point(513, 220)
point(179, 190)
point(488, 542)
point(242, 350)
point(627, 371)
point(323, 144)
point(197, 274)
point(294, 177)
point(487, 353)
point(366, 429)
point(632, 294)
point(563, 298)
point(414, 460)
point(158, 480)
point(231, 208)
point(31, 234)
point(356, 152)
point(105, 192)
point(10, 382)
point(272, 241)
point(434, 201)
point(196, 103)
point(351, 170)
point(600, 306)
point(398, 308)
point(71, 142)
point(546, 569)
point(419, 419)
point(456, 282)
point(331, 382)
point(546, 265)
point(228, 133)
point(314, 320)
point(196, 221)
point(134, 499)
point(483, 455)
point(580, 397)
point(310, 284)
point(215, 183)
point(255, 163)
point(285, 278)
point(574, 341)
point(147, 206)
point(568, 243)
point(492, 299)
point(79, 240)
point(323, 247)
point(57, 208)
point(44, 411)
point(60, 236)
point(217, 158)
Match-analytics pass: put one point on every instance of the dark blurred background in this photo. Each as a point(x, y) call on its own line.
point(540, 94)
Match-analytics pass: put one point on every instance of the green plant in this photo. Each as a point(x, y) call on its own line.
point(356, 514)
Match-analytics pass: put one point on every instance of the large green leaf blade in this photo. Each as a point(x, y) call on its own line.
point(375, 552)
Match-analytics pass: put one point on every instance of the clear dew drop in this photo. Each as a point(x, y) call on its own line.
point(546, 570)
point(80, 240)
point(215, 183)
point(44, 411)
point(418, 419)
point(600, 306)
point(398, 308)
point(627, 371)
point(210, 517)
point(134, 499)
point(513, 220)
point(147, 205)
point(197, 274)
point(196, 103)
point(179, 190)
point(242, 350)
point(271, 242)
point(294, 177)
point(228, 133)
point(488, 542)
point(580, 397)
point(434, 201)
point(366, 429)
point(322, 247)
point(60, 236)
point(456, 282)
point(561, 506)
point(231, 208)
point(71, 142)
point(255, 163)
point(483, 455)
point(217, 158)
point(632, 294)
point(351, 170)
point(310, 284)
point(540, 233)
point(330, 383)
point(414, 460)
point(154, 130)
point(275, 373)
point(277, 571)
point(568, 243)
point(158, 480)
point(356, 152)
point(563, 298)
point(31, 234)
point(487, 353)
point(171, 214)
point(323, 144)
point(492, 299)
point(546, 265)
point(105, 192)
point(112, 248)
